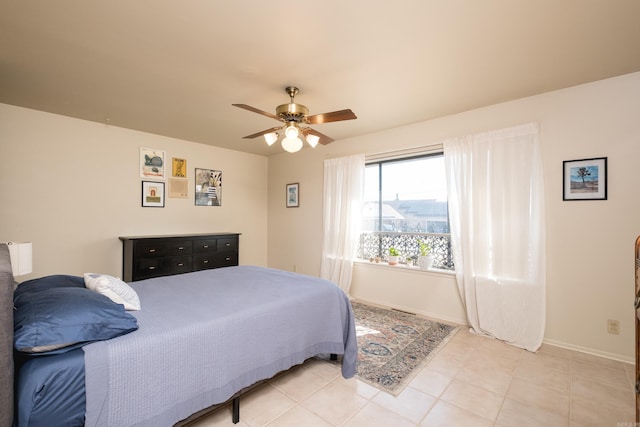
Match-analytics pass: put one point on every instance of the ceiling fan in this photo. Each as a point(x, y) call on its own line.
point(295, 116)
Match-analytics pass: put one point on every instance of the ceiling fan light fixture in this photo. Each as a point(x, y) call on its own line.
point(292, 144)
point(291, 131)
point(271, 138)
point(293, 117)
point(313, 140)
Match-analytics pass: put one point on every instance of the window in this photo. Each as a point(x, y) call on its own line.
point(405, 204)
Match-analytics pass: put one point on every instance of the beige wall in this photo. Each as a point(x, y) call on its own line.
point(72, 187)
point(589, 243)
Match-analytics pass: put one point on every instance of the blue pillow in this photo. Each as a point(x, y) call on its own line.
point(57, 320)
point(47, 282)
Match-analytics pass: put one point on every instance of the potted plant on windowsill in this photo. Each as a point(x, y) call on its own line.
point(425, 259)
point(393, 256)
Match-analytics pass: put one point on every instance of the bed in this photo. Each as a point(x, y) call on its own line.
point(198, 341)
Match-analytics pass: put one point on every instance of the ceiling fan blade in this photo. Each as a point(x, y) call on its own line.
point(324, 139)
point(334, 116)
point(255, 110)
point(264, 132)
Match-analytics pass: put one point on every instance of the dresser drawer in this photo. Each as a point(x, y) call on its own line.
point(149, 249)
point(226, 259)
point(230, 244)
point(177, 265)
point(204, 245)
point(147, 267)
point(204, 261)
point(179, 247)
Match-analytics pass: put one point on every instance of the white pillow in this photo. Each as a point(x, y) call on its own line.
point(114, 288)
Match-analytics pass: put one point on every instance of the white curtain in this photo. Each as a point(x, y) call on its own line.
point(496, 208)
point(342, 210)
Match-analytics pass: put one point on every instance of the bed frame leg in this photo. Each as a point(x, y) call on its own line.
point(235, 417)
point(235, 402)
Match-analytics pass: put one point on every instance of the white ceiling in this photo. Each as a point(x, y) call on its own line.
point(175, 67)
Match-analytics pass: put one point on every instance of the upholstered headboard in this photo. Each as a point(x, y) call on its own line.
point(6, 337)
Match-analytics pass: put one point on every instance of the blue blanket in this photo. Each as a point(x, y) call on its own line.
point(206, 335)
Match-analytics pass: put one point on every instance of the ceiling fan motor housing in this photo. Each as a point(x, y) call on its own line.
point(292, 112)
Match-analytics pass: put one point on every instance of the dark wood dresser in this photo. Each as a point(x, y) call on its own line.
point(144, 257)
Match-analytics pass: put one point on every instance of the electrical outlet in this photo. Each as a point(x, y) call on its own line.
point(613, 327)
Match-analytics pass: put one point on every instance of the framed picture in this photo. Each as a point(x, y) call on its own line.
point(151, 163)
point(178, 188)
point(208, 187)
point(179, 167)
point(584, 179)
point(152, 194)
point(293, 195)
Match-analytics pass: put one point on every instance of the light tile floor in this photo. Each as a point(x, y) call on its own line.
point(472, 381)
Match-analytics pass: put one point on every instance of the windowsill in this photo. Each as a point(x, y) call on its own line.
point(404, 268)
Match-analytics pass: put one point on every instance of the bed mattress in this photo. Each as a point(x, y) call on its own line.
point(204, 336)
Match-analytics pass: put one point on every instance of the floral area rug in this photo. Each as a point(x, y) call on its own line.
point(394, 345)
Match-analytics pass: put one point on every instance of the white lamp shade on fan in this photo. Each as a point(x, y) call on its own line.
point(292, 144)
point(313, 140)
point(271, 138)
point(291, 132)
point(21, 258)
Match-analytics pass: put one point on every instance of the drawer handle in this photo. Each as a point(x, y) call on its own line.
point(205, 246)
point(228, 258)
point(206, 261)
point(152, 268)
point(181, 248)
point(227, 244)
point(181, 264)
point(151, 251)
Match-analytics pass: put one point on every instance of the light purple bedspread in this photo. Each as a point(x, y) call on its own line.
point(204, 336)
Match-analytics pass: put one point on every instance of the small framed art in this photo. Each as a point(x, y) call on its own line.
point(584, 179)
point(151, 163)
point(178, 188)
point(179, 167)
point(293, 195)
point(152, 194)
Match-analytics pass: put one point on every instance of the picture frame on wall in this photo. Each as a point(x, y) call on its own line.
point(178, 188)
point(152, 163)
point(179, 167)
point(584, 179)
point(152, 194)
point(208, 187)
point(293, 195)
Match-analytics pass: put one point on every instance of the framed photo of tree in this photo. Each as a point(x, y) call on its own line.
point(584, 179)
point(293, 195)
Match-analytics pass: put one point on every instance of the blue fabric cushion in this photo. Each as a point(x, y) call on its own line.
point(48, 282)
point(57, 320)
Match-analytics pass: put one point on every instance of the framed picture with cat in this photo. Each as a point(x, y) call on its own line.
point(151, 163)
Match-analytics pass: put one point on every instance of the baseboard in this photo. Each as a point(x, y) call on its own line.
point(591, 351)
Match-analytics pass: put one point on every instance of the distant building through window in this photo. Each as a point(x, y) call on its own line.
point(405, 204)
